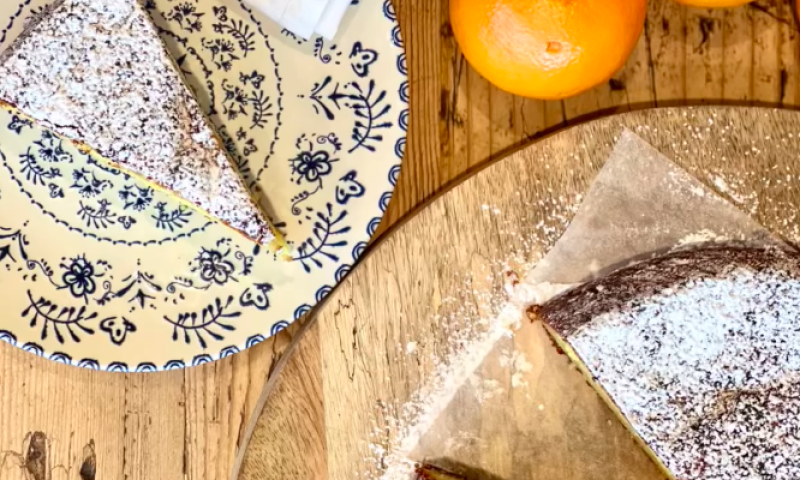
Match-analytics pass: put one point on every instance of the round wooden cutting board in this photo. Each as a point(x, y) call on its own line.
point(375, 341)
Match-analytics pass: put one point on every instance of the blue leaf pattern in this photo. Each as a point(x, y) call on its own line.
point(68, 295)
point(326, 239)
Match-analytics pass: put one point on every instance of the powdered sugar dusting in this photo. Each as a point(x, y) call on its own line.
point(96, 71)
point(703, 236)
point(708, 371)
point(399, 428)
point(425, 406)
point(518, 363)
point(732, 187)
point(486, 388)
point(416, 417)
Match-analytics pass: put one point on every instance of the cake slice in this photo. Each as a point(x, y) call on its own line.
point(698, 353)
point(96, 72)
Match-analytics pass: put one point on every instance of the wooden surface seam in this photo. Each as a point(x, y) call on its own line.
point(189, 424)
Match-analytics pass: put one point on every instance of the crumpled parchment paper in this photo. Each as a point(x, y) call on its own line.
point(640, 205)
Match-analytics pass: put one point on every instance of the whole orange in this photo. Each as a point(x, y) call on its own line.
point(547, 49)
point(713, 3)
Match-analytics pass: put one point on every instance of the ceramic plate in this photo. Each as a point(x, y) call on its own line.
point(100, 271)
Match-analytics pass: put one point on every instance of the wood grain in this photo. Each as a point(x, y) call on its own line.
point(188, 425)
point(682, 58)
point(445, 270)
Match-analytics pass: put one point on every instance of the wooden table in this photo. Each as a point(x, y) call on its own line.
point(188, 425)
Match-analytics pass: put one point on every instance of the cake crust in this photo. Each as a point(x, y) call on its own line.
point(97, 73)
point(622, 289)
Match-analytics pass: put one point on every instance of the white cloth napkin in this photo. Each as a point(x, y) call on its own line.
point(304, 18)
point(332, 18)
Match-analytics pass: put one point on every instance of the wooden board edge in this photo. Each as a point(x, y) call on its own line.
point(313, 315)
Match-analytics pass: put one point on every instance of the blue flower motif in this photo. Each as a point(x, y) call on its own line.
point(50, 149)
point(249, 147)
point(87, 184)
point(312, 166)
point(258, 298)
point(127, 222)
point(214, 268)
point(349, 187)
point(362, 59)
point(56, 191)
point(223, 46)
point(255, 78)
point(18, 123)
point(187, 16)
point(79, 277)
point(222, 14)
point(185, 10)
point(236, 101)
point(222, 53)
point(136, 197)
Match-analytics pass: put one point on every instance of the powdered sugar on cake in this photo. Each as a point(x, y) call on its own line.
point(707, 368)
point(95, 71)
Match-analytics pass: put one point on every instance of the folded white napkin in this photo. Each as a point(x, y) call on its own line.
point(272, 8)
point(332, 18)
point(304, 18)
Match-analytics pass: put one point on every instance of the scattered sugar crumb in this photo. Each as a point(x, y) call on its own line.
point(488, 388)
point(703, 236)
point(518, 381)
point(697, 191)
point(472, 332)
point(460, 440)
point(720, 183)
point(519, 366)
point(732, 187)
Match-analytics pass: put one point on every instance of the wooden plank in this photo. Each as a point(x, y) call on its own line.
point(704, 52)
point(637, 77)
point(479, 118)
point(458, 163)
point(151, 434)
point(737, 54)
point(502, 119)
point(219, 398)
point(666, 29)
point(789, 53)
point(190, 424)
point(422, 22)
point(290, 442)
point(530, 119)
point(456, 249)
point(766, 51)
point(66, 409)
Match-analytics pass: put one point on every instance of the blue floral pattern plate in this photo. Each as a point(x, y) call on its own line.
point(99, 270)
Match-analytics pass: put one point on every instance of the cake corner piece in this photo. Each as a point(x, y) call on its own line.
point(96, 72)
point(698, 354)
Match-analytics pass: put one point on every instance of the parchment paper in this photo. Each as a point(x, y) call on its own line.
point(640, 205)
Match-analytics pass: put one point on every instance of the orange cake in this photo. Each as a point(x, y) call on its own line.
point(96, 72)
point(698, 352)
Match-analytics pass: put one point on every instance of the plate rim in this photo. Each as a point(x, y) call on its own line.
point(393, 43)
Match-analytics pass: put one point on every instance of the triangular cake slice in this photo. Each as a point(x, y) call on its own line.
point(698, 353)
point(97, 73)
